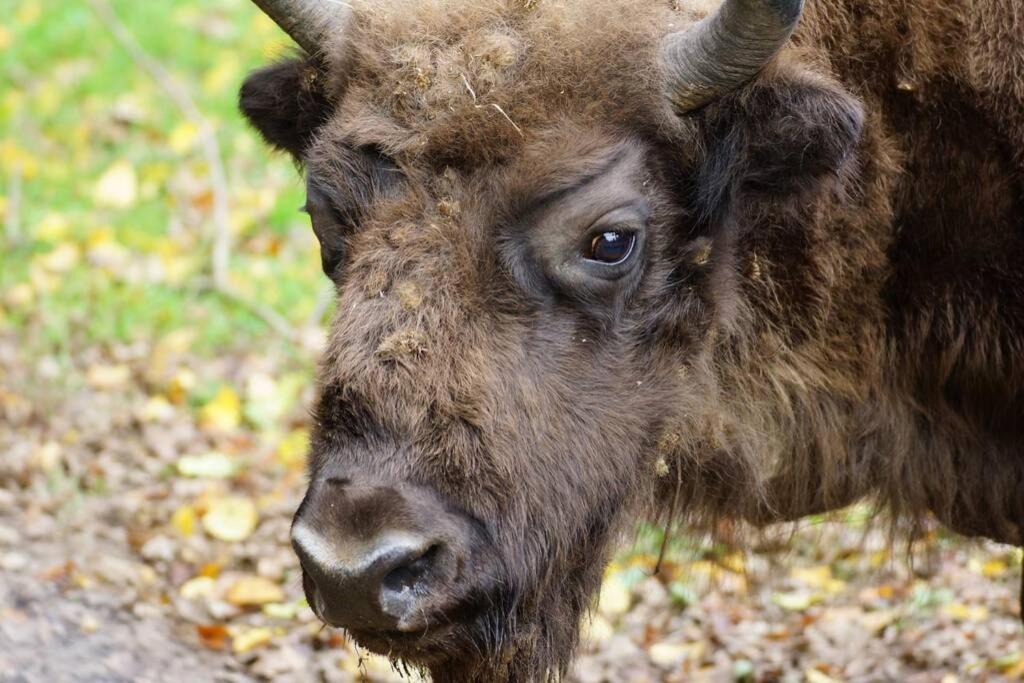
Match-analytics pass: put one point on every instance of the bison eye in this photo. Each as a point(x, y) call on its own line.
point(611, 247)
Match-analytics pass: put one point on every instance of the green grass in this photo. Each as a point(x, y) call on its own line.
point(74, 104)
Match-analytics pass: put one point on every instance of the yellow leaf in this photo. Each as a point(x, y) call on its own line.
point(877, 622)
point(183, 137)
point(224, 412)
point(815, 676)
point(14, 158)
point(110, 256)
point(47, 98)
point(212, 465)
point(198, 588)
point(108, 376)
point(994, 568)
point(615, 597)
point(180, 385)
point(250, 639)
point(223, 75)
point(734, 562)
point(210, 569)
point(596, 629)
point(962, 612)
point(20, 295)
point(231, 519)
point(53, 227)
point(282, 610)
point(254, 591)
point(62, 259)
point(5, 38)
point(118, 187)
point(184, 520)
point(818, 577)
point(795, 601)
point(28, 12)
point(294, 448)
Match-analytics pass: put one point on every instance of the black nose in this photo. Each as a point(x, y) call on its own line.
point(377, 558)
point(375, 586)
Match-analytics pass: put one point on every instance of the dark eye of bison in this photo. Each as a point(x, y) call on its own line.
point(611, 247)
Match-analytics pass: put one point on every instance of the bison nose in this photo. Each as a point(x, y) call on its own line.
point(373, 586)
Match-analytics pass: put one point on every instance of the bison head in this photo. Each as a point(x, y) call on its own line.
point(539, 217)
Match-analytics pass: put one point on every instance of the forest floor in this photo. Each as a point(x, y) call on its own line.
point(144, 537)
point(154, 413)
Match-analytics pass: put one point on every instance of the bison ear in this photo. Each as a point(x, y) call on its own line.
point(778, 137)
point(286, 102)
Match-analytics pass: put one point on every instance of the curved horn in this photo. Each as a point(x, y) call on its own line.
point(309, 22)
point(726, 49)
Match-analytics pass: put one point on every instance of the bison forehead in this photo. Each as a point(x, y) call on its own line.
point(466, 83)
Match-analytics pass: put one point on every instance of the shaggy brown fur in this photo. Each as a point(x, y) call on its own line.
point(829, 305)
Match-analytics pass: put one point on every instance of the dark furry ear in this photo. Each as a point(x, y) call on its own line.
point(286, 102)
point(778, 137)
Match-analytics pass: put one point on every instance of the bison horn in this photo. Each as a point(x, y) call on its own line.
point(309, 22)
point(726, 49)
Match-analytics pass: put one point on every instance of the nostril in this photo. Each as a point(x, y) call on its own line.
point(407, 576)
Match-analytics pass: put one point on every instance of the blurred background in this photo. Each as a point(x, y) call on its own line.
point(161, 311)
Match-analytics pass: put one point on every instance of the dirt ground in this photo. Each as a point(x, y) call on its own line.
point(144, 537)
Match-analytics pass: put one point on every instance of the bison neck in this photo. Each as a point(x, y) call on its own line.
point(879, 351)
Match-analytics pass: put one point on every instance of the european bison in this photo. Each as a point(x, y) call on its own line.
point(603, 258)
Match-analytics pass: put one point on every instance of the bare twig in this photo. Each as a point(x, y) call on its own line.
point(272, 318)
point(207, 136)
point(668, 522)
point(12, 221)
point(323, 300)
point(221, 255)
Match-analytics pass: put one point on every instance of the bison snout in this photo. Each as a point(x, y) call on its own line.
point(380, 559)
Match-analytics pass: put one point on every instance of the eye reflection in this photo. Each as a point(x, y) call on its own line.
point(611, 247)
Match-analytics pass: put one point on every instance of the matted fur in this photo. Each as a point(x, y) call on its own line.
point(831, 307)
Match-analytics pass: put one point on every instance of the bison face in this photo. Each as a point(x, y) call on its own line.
point(489, 393)
point(533, 252)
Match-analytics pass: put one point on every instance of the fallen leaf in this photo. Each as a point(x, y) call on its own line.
point(61, 259)
point(223, 412)
point(198, 587)
point(671, 655)
point(118, 187)
point(89, 624)
point(615, 597)
point(596, 629)
point(184, 520)
point(282, 610)
point(962, 612)
point(20, 295)
point(156, 409)
point(815, 676)
point(294, 448)
point(214, 636)
point(230, 519)
point(250, 639)
point(183, 137)
point(210, 569)
point(795, 601)
point(994, 568)
point(876, 622)
point(819, 577)
point(108, 376)
point(254, 591)
point(180, 385)
point(211, 465)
